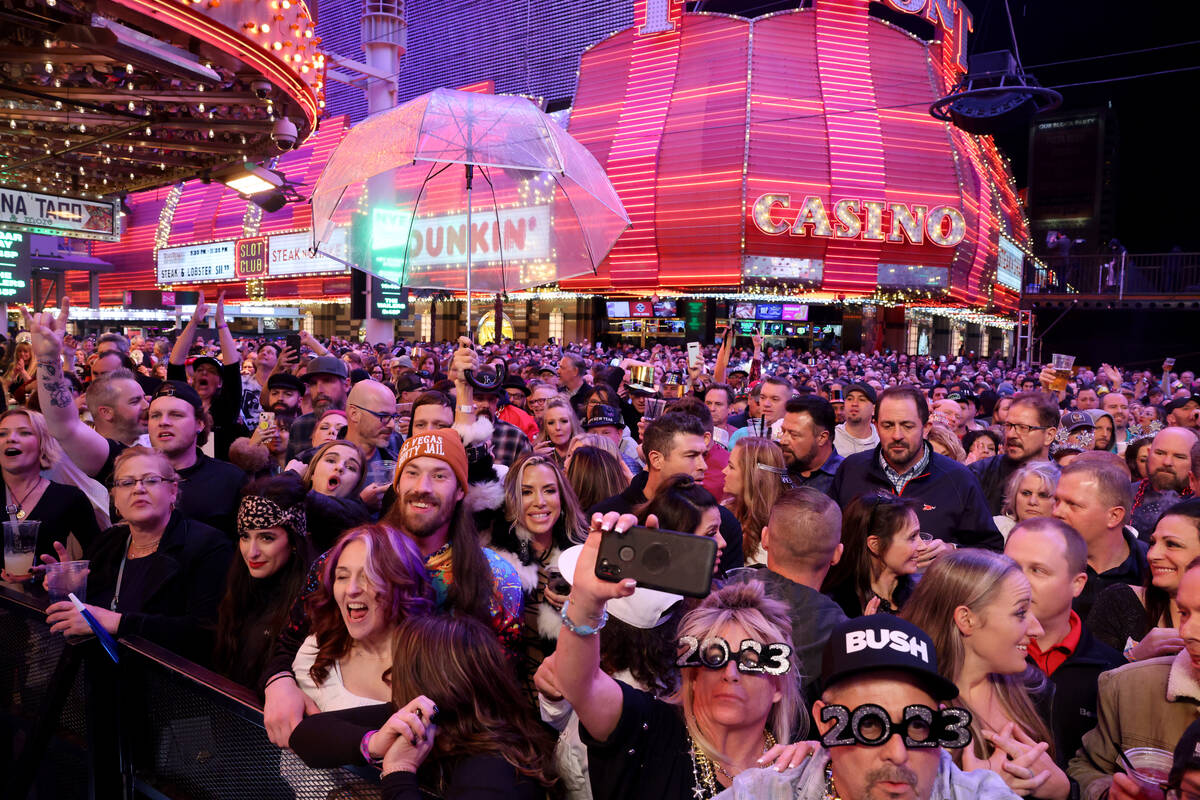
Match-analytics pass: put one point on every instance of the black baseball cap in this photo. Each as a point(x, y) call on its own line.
point(603, 415)
point(181, 390)
point(883, 642)
point(199, 361)
point(862, 388)
point(1180, 402)
point(285, 380)
point(1187, 754)
point(326, 365)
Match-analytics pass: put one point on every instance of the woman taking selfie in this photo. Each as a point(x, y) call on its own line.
point(1143, 621)
point(733, 711)
point(541, 519)
point(882, 539)
point(463, 727)
point(372, 579)
point(975, 605)
point(156, 574)
point(753, 479)
point(559, 427)
point(265, 577)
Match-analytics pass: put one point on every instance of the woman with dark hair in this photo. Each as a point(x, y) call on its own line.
point(595, 475)
point(1143, 621)
point(881, 536)
point(267, 577)
point(682, 504)
point(371, 580)
point(980, 444)
point(332, 479)
point(541, 518)
point(464, 728)
point(1136, 455)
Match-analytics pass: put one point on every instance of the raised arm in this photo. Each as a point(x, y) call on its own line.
point(465, 358)
point(594, 695)
point(229, 349)
point(183, 345)
point(88, 449)
point(310, 341)
point(723, 356)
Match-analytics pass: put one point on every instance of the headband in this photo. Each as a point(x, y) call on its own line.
point(258, 513)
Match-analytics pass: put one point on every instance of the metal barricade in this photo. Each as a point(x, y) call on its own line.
point(73, 725)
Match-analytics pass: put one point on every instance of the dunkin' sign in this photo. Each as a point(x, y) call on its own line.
point(515, 234)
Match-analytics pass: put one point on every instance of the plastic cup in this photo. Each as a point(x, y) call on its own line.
point(1062, 371)
point(1151, 766)
point(381, 472)
point(20, 546)
point(757, 426)
point(67, 577)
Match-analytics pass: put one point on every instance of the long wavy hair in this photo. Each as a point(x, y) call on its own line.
point(1158, 601)
point(649, 654)
point(760, 487)
point(973, 578)
point(287, 491)
point(879, 514)
point(397, 573)
point(569, 529)
point(457, 663)
point(595, 474)
point(564, 404)
point(766, 619)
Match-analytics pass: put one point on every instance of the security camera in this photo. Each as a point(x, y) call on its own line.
point(284, 133)
point(261, 89)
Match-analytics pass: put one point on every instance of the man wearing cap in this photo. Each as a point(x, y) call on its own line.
point(857, 434)
point(604, 421)
point(1183, 783)
point(1168, 469)
point(328, 381)
point(1076, 434)
point(884, 729)
point(508, 441)
point(968, 405)
point(219, 385)
point(431, 483)
point(1147, 703)
point(640, 385)
point(1182, 412)
point(1031, 423)
point(513, 411)
point(268, 442)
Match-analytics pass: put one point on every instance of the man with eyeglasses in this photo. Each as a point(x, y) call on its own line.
point(1151, 703)
point(371, 421)
point(1029, 430)
point(538, 396)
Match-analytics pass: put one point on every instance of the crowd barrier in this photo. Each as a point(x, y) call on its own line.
point(73, 725)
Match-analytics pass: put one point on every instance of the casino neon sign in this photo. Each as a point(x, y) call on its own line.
point(942, 225)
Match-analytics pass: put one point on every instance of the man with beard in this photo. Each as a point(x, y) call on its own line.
point(1182, 412)
point(268, 444)
point(218, 383)
point(951, 505)
point(857, 434)
point(116, 400)
point(430, 485)
point(328, 382)
point(1167, 466)
point(1116, 405)
point(1029, 429)
point(807, 441)
point(881, 689)
point(209, 488)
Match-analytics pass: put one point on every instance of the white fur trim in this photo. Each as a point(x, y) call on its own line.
point(479, 431)
point(486, 496)
point(526, 573)
point(549, 621)
point(1182, 680)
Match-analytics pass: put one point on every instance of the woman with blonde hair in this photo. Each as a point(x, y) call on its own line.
point(560, 426)
point(1029, 493)
point(943, 441)
point(738, 701)
point(596, 473)
point(975, 605)
point(753, 477)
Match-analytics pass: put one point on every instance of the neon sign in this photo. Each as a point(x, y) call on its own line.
point(943, 225)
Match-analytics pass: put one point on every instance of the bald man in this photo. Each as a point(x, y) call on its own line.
point(371, 420)
point(1168, 467)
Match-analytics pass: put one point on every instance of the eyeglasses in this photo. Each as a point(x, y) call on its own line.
point(1025, 430)
point(540, 401)
point(386, 419)
point(149, 481)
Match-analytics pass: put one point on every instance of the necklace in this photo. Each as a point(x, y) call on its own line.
point(705, 769)
point(831, 792)
point(136, 551)
point(17, 509)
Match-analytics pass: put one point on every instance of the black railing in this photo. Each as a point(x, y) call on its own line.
point(73, 725)
point(1164, 274)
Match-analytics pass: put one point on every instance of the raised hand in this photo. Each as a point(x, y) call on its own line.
point(220, 319)
point(47, 331)
point(201, 309)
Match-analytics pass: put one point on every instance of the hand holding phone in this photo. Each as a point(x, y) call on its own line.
point(670, 561)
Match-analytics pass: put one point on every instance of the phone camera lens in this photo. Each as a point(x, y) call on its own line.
point(626, 553)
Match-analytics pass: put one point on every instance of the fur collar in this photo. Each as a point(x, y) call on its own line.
point(1182, 680)
point(479, 431)
point(487, 495)
point(548, 620)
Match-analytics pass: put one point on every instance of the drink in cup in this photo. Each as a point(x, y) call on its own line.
point(20, 546)
point(381, 471)
point(1151, 767)
point(67, 577)
point(1062, 371)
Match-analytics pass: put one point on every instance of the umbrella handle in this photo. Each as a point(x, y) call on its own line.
point(488, 383)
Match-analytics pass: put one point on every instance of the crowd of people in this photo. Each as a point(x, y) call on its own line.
point(933, 578)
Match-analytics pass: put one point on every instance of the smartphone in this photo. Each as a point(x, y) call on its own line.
point(293, 341)
point(616, 362)
point(695, 359)
point(266, 419)
point(669, 561)
point(404, 409)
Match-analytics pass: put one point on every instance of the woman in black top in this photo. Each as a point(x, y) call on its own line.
point(464, 728)
point(26, 449)
point(156, 574)
point(265, 578)
point(332, 479)
point(881, 537)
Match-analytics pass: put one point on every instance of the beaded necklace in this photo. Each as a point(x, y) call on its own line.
point(705, 769)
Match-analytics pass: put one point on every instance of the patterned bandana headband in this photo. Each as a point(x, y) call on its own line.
point(259, 513)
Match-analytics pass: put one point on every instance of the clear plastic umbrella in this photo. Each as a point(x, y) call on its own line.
point(469, 192)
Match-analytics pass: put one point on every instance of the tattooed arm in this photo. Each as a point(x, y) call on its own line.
point(88, 449)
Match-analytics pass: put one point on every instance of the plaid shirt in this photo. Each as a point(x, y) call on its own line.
point(508, 442)
point(900, 480)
